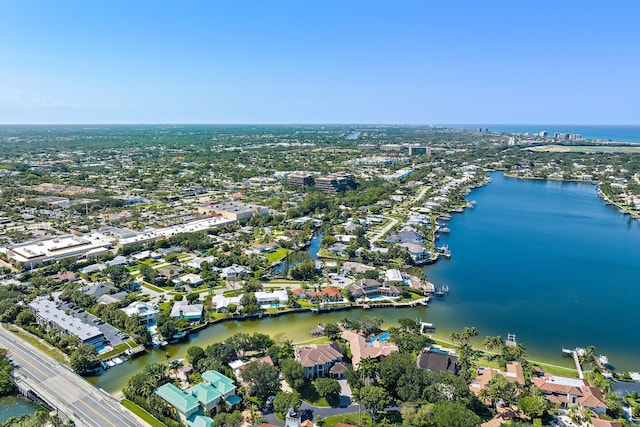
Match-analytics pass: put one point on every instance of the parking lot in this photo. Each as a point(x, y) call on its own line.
point(112, 335)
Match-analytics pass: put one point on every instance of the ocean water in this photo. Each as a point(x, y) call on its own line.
point(618, 133)
point(547, 261)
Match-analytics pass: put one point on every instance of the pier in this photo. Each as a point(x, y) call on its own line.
point(574, 354)
point(426, 327)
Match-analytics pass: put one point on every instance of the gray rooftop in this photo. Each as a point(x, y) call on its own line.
point(48, 311)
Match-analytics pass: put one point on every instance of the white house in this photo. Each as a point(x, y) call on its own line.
point(268, 298)
point(145, 311)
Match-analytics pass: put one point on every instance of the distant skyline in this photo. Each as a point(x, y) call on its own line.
point(295, 62)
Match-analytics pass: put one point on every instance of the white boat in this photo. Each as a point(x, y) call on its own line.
point(604, 360)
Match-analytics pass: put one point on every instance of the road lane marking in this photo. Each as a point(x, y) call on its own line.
point(97, 413)
point(32, 365)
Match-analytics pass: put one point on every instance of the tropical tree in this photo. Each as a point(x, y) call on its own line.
point(375, 399)
point(263, 379)
point(327, 387)
point(467, 356)
point(293, 373)
point(285, 401)
point(494, 344)
point(82, 359)
point(589, 357)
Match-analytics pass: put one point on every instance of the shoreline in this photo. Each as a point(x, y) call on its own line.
point(624, 210)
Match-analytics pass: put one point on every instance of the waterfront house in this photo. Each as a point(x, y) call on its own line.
point(363, 349)
point(438, 359)
point(208, 397)
point(220, 302)
point(194, 313)
point(571, 392)
point(328, 294)
point(317, 360)
point(371, 288)
point(513, 374)
point(145, 311)
point(406, 235)
point(185, 403)
point(418, 253)
point(267, 299)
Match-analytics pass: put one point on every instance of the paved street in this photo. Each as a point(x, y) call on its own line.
point(71, 394)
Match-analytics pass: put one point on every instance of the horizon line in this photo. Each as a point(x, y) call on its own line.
point(311, 124)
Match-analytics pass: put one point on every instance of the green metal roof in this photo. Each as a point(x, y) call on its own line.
point(205, 393)
point(223, 384)
point(199, 421)
point(177, 398)
point(233, 399)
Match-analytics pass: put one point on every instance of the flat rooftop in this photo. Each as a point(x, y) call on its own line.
point(48, 311)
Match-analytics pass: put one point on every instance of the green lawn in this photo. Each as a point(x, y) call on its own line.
point(147, 417)
point(152, 287)
point(277, 255)
point(37, 343)
point(116, 350)
point(361, 419)
point(309, 394)
point(319, 340)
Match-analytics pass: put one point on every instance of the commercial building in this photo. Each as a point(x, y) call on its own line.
point(49, 251)
point(300, 178)
point(416, 151)
point(234, 211)
point(335, 183)
point(47, 313)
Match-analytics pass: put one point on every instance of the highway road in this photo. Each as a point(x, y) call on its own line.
point(59, 386)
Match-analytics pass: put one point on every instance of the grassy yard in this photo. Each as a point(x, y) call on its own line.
point(276, 255)
point(38, 343)
point(116, 350)
point(152, 287)
point(147, 417)
point(546, 367)
point(309, 394)
point(361, 419)
point(319, 340)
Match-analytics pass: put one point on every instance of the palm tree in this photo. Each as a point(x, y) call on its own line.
point(485, 396)
point(493, 343)
point(588, 358)
point(368, 367)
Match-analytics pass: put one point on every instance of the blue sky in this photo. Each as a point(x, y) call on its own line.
point(418, 62)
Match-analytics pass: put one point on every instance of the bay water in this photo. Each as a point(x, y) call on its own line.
point(548, 261)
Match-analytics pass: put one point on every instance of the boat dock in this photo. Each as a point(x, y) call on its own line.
point(575, 355)
point(426, 327)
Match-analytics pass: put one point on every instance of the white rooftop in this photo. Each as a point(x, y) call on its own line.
point(566, 381)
